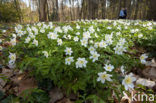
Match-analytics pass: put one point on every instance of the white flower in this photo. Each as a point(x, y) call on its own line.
point(91, 29)
point(35, 42)
point(76, 39)
point(14, 35)
point(91, 42)
point(12, 57)
point(126, 27)
point(3, 31)
point(81, 62)
point(98, 29)
point(103, 44)
point(77, 27)
point(78, 33)
point(136, 30)
point(11, 64)
point(114, 23)
point(13, 41)
point(19, 27)
point(108, 39)
point(31, 35)
point(20, 33)
point(96, 35)
point(128, 82)
point(97, 44)
point(39, 24)
point(70, 28)
point(45, 27)
point(140, 36)
point(58, 29)
point(65, 29)
point(35, 30)
point(122, 41)
point(1, 48)
point(42, 30)
point(45, 53)
point(0, 40)
point(103, 76)
point(119, 49)
point(136, 23)
point(68, 51)
point(59, 41)
point(149, 24)
point(132, 31)
point(122, 69)
point(150, 28)
point(84, 42)
point(86, 35)
point(69, 36)
point(143, 58)
point(91, 49)
point(69, 60)
point(144, 25)
point(109, 27)
point(28, 29)
point(109, 67)
point(27, 40)
point(52, 35)
point(118, 33)
point(94, 56)
point(50, 25)
point(65, 36)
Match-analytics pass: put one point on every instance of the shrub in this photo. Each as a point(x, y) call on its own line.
point(8, 12)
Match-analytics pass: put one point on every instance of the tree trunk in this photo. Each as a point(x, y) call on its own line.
point(18, 9)
point(103, 9)
point(43, 10)
point(136, 9)
point(57, 8)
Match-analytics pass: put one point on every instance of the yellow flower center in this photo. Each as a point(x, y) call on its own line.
point(92, 49)
point(104, 76)
point(108, 68)
point(104, 43)
point(84, 42)
point(128, 80)
point(142, 57)
point(12, 58)
point(94, 56)
point(81, 62)
point(68, 60)
point(68, 51)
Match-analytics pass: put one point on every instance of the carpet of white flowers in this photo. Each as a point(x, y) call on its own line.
point(92, 56)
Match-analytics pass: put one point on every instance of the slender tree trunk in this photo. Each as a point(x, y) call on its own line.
point(136, 9)
point(57, 8)
point(43, 10)
point(103, 9)
point(18, 9)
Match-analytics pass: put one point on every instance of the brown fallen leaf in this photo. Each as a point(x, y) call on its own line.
point(65, 100)
point(55, 95)
point(153, 63)
point(150, 73)
point(23, 82)
point(7, 72)
point(146, 82)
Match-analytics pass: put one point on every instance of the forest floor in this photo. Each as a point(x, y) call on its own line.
point(14, 82)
